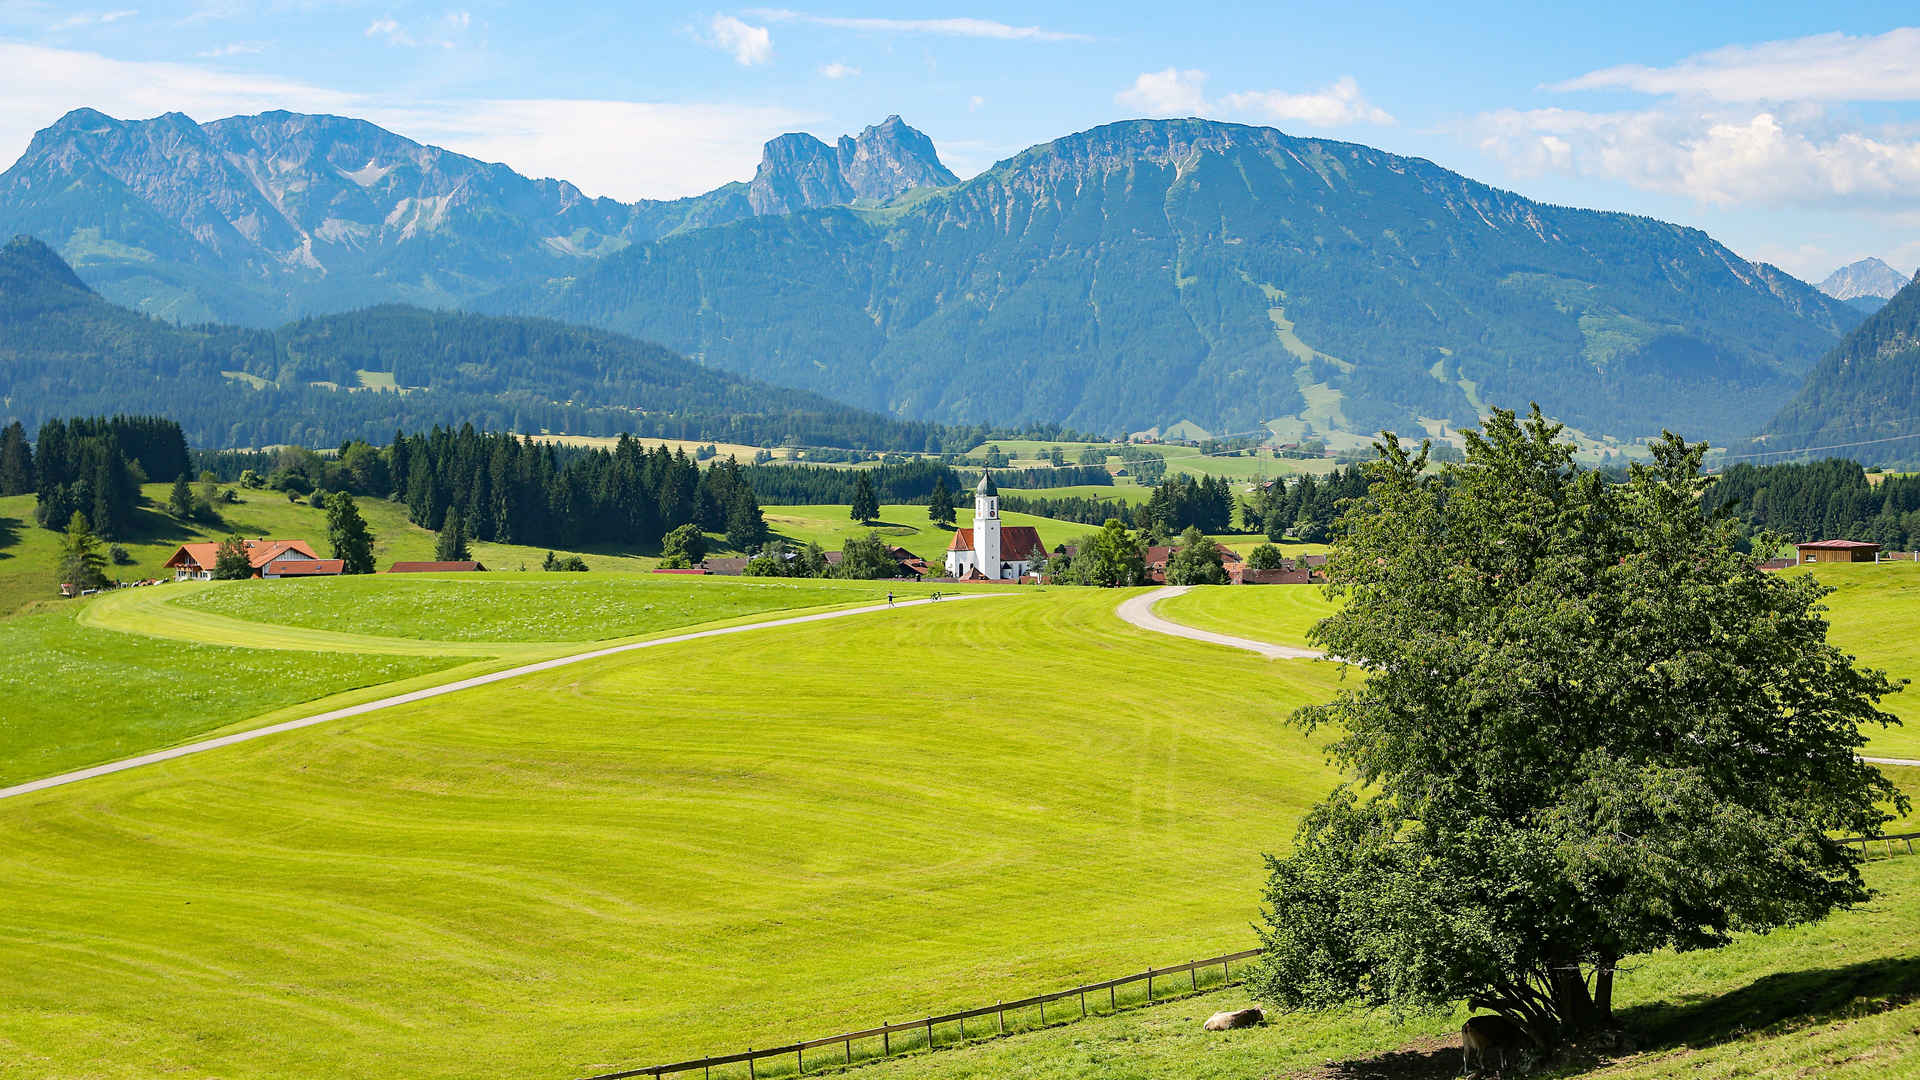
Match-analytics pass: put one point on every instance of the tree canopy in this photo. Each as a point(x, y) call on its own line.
point(1589, 728)
point(348, 534)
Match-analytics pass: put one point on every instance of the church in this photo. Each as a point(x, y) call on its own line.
point(991, 551)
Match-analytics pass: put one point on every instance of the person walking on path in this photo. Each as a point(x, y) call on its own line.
point(889, 599)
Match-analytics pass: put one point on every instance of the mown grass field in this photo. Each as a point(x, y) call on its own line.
point(1278, 613)
point(1875, 613)
point(655, 854)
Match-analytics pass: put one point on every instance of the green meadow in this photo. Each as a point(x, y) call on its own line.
point(902, 525)
point(660, 853)
point(1278, 613)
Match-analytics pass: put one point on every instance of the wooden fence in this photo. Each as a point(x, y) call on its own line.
point(927, 1026)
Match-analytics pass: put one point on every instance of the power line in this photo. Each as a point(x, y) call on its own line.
point(1817, 449)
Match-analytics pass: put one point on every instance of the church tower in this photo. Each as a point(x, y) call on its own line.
point(986, 525)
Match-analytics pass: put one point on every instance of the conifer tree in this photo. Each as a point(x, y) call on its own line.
point(940, 506)
point(16, 461)
point(451, 544)
point(230, 561)
point(81, 564)
point(180, 499)
point(347, 533)
point(866, 505)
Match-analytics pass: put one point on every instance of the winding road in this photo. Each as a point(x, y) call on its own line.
point(1138, 610)
point(449, 688)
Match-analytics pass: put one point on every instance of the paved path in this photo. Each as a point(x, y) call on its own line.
point(448, 688)
point(1138, 610)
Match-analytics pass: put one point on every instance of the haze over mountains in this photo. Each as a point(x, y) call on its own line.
point(1131, 276)
point(255, 219)
point(1862, 398)
point(1865, 284)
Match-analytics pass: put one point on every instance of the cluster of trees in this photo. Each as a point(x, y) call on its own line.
point(93, 466)
point(513, 490)
point(1056, 477)
point(803, 485)
point(1821, 500)
point(1306, 508)
point(1180, 502)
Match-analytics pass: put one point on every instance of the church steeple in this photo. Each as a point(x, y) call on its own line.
point(986, 486)
point(986, 524)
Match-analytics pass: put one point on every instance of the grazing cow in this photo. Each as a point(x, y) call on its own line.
point(1240, 1018)
point(1483, 1033)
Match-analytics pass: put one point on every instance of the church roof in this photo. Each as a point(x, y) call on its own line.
point(986, 486)
point(1017, 542)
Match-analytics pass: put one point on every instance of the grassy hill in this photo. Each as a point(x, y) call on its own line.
point(29, 555)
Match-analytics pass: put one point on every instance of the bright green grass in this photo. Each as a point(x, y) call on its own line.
point(74, 696)
point(29, 555)
point(902, 525)
point(1278, 613)
point(1875, 612)
point(662, 853)
point(514, 607)
point(1836, 999)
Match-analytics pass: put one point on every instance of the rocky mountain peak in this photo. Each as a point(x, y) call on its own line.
point(1868, 277)
point(799, 172)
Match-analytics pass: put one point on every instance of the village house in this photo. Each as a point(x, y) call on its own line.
point(267, 558)
point(991, 551)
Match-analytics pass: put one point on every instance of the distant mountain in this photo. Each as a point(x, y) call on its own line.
point(253, 219)
point(1150, 272)
point(65, 351)
point(1869, 281)
point(1862, 400)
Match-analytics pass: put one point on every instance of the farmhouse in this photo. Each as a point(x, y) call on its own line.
point(1819, 551)
point(990, 551)
point(268, 558)
point(434, 567)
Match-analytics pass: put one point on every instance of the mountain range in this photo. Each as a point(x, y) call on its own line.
point(1132, 276)
point(1866, 284)
point(66, 351)
point(1862, 398)
point(254, 219)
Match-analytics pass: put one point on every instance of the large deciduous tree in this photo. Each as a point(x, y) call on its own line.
point(1589, 728)
point(1196, 561)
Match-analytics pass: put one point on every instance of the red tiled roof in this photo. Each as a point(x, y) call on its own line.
point(308, 567)
point(1836, 545)
point(259, 553)
point(1017, 542)
point(431, 567)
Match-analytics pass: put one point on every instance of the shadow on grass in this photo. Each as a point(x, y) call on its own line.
point(1787, 1000)
point(9, 535)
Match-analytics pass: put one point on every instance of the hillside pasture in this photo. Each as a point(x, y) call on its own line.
point(661, 853)
point(902, 525)
point(1875, 613)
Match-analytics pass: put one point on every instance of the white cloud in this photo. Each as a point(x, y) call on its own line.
point(1824, 67)
point(236, 48)
point(1338, 105)
point(957, 27)
point(90, 18)
point(445, 32)
point(1794, 156)
point(1173, 92)
point(623, 149)
point(837, 70)
point(1170, 92)
point(750, 45)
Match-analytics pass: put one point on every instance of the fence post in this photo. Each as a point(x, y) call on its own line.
point(1193, 976)
point(751, 1074)
point(849, 1051)
point(1224, 977)
point(1000, 1009)
point(1043, 1014)
point(929, 1032)
point(800, 1059)
point(886, 1041)
point(1083, 1004)
point(1149, 986)
point(1113, 1002)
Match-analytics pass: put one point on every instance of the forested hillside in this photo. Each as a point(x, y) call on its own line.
point(1863, 397)
point(1148, 272)
point(321, 381)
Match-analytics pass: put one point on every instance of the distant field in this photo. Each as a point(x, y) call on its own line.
point(660, 854)
point(29, 554)
point(1875, 612)
point(903, 525)
point(75, 696)
point(517, 608)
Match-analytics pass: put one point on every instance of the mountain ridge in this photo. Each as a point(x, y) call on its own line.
point(1228, 274)
point(1863, 395)
point(256, 218)
point(363, 374)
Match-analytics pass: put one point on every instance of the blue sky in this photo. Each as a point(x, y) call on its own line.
point(1789, 132)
